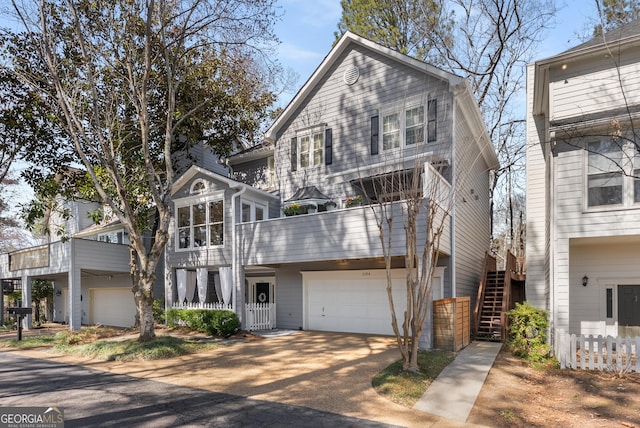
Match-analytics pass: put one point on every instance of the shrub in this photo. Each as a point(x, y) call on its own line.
point(158, 311)
point(215, 323)
point(528, 333)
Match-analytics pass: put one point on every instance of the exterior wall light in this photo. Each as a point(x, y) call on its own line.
point(585, 280)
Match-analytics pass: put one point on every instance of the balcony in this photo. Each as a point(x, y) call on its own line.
point(350, 233)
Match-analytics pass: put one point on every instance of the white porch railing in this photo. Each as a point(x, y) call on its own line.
point(597, 353)
point(197, 305)
point(260, 316)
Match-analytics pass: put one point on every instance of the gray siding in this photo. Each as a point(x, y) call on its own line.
point(289, 299)
point(333, 235)
point(471, 212)
point(592, 85)
point(253, 173)
point(347, 110)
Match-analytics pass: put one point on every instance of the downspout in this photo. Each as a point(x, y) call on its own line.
point(234, 256)
point(454, 188)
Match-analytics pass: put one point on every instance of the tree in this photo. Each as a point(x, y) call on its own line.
point(492, 42)
point(400, 196)
point(41, 295)
point(402, 25)
point(614, 13)
point(130, 83)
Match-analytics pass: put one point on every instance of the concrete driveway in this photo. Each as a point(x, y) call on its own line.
point(324, 371)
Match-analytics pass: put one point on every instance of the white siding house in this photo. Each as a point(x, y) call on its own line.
point(365, 112)
point(583, 196)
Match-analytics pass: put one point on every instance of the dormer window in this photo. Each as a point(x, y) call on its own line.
point(198, 187)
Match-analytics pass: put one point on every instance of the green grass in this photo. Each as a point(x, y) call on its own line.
point(29, 342)
point(98, 343)
point(162, 347)
point(405, 388)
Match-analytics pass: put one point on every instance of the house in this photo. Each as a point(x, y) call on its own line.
point(89, 270)
point(366, 113)
point(583, 192)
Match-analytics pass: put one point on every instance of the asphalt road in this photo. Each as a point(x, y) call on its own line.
point(92, 398)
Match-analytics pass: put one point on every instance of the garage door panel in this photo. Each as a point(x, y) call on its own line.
point(348, 302)
point(112, 306)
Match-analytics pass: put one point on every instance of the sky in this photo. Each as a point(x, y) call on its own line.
point(307, 32)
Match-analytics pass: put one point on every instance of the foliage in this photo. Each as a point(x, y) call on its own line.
point(86, 335)
point(214, 323)
point(41, 291)
point(614, 13)
point(30, 342)
point(354, 201)
point(158, 311)
point(292, 209)
point(405, 388)
point(162, 347)
point(528, 333)
point(131, 87)
point(404, 26)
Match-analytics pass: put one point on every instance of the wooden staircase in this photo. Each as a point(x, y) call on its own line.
point(496, 298)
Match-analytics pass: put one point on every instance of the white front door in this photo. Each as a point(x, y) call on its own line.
point(261, 290)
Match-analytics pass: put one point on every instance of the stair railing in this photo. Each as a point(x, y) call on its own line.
point(509, 269)
point(490, 264)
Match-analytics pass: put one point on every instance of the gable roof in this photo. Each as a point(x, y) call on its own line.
point(233, 184)
point(345, 41)
point(621, 34)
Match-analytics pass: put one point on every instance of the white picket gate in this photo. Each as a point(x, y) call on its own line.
point(260, 316)
point(597, 353)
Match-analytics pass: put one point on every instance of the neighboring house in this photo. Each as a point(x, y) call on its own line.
point(366, 112)
point(583, 192)
point(90, 271)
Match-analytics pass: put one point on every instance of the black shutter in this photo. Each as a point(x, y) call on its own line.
point(294, 154)
point(328, 147)
point(374, 135)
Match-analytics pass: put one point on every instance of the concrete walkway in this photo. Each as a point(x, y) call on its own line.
point(454, 392)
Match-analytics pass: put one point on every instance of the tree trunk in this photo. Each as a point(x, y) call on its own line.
point(144, 304)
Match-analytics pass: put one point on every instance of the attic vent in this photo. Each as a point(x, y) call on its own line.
point(351, 75)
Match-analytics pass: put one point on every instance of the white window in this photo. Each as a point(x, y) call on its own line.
point(271, 172)
point(253, 211)
point(605, 173)
point(200, 224)
point(311, 148)
point(405, 126)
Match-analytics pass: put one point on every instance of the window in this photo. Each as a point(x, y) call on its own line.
point(253, 211)
point(609, 302)
point(271, 172)
point(405, 127)
point(310, 150)
point(200, 224)
point(604, 173)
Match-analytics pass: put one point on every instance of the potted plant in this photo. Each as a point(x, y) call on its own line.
point(292, 209)
point(354, 201)
point(330, 205)
point(311, 208)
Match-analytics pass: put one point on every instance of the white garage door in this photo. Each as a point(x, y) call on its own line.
point(112, 306)
point(351, 301)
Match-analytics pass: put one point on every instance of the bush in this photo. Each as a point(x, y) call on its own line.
point(528, 333)
point(158, 311)
point(214, 323)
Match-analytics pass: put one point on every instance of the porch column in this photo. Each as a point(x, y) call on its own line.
point(74, 302)
point(240, 286)
point(26, 301)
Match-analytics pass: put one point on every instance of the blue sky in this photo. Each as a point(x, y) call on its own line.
point(307, 32)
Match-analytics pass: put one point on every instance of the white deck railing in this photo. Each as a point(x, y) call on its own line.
point(597, 353)
point(260, 316)
point(197, 305)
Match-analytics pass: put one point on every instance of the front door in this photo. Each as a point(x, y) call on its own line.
point(263, 292)
point(628, 310)
point(260, 307)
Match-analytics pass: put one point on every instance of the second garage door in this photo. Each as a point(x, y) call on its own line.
point(112, 306)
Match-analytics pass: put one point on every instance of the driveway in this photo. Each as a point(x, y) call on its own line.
point(324, 371)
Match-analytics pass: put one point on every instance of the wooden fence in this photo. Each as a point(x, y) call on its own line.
point(260, 316)
point(597, 353)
